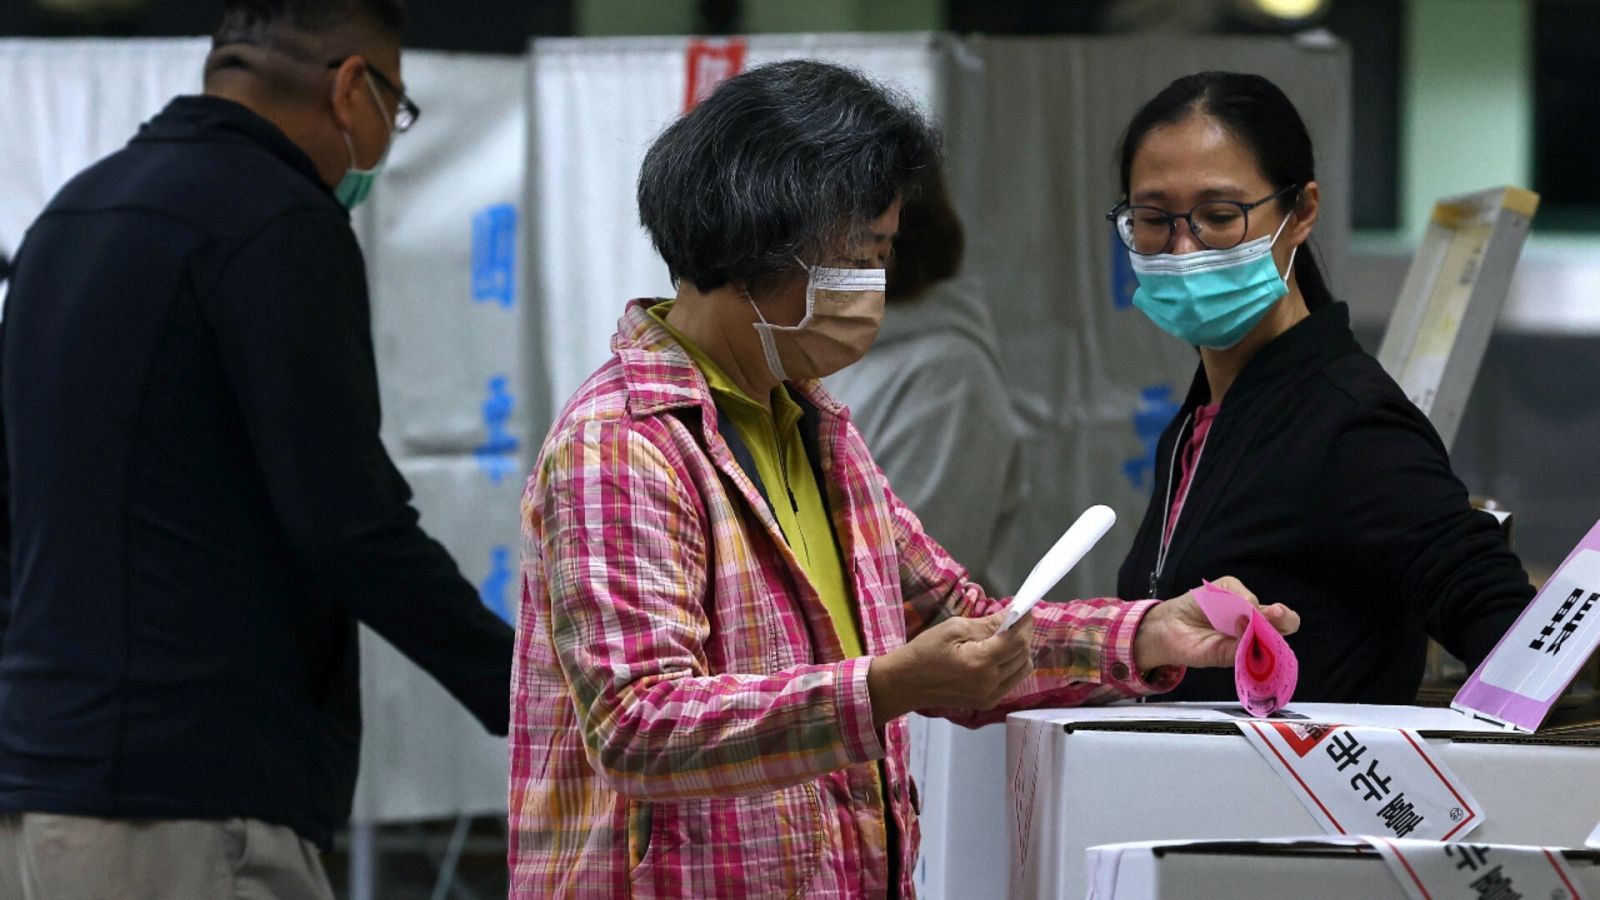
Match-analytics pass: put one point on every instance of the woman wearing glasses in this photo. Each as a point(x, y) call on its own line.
point(1295, 463)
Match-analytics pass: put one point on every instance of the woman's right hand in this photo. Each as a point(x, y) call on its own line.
point(1178, 633)
point(960, 663)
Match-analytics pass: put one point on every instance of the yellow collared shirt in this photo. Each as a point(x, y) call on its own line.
point(784, 469)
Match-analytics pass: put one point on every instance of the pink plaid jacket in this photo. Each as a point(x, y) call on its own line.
point(683, 722)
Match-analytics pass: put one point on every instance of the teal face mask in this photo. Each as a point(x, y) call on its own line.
point(1211, 298)
point(357, 183)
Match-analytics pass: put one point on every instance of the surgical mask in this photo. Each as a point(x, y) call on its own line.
point(1212, 298)
point(844, 310)
point(357, 183)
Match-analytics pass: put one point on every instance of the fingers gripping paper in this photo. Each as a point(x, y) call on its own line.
point(1264, 668)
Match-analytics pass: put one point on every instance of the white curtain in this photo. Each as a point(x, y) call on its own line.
point(70, 102)
point(464, 404)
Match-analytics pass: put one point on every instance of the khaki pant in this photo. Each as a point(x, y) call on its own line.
point(44, 856)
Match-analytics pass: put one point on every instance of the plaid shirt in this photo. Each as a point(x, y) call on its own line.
point(683, 721)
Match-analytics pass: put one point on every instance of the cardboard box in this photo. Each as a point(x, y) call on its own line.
point(1139, 772)
point(1254, 870)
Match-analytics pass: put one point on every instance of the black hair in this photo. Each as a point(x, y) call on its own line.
point(1257, 112)
point(249, 21)
point(788, 159)
point(931, 242)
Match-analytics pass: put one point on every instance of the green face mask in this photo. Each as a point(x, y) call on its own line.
point(357, 183)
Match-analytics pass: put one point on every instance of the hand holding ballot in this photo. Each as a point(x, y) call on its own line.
point(960, 663)
point(971, 663)
point(1178, 632)
point(1265, 669)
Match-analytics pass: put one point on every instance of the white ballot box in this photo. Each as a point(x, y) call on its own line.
point(1319, 867)
point(1496, 768)
point(1079, 778)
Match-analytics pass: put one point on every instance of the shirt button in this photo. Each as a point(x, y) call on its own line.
point(1119, 671)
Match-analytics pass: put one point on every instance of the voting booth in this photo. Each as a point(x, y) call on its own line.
point(1508, 764)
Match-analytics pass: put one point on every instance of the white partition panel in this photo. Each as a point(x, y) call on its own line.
point(597, 104)
point(423, 756)
point(464, 403)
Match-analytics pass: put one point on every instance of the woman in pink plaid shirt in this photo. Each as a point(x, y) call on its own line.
point(726, 611)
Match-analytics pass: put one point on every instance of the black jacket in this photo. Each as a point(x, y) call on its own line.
point(199, 507)
point(1321, 486)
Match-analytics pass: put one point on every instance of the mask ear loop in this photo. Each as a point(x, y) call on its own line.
point(351, 146)
point(383, 113)
point(769, 340)
point(1289, 269)
point(768, 331)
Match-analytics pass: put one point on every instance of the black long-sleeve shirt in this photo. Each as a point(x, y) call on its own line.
point(199, 506)
point(1321, 486)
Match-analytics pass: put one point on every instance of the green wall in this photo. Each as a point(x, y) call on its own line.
point(1467, 108)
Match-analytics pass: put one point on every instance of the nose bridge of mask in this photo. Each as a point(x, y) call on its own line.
point(854, 280)
point(1207, 260)
point(826, 280)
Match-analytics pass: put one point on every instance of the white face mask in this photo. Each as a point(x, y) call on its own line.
point(844, 310)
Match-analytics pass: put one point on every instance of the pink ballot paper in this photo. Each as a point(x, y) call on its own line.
point(1264, 669)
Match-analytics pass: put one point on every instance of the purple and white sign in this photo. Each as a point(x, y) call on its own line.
point(1544, 649)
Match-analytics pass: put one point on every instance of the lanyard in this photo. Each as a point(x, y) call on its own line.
point(1165, 545)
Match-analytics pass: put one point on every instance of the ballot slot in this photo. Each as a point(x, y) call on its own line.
point(1296, 867)
point(1265, 670)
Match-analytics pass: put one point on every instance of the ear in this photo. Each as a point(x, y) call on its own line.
point(1307, 205)
point(349, 80)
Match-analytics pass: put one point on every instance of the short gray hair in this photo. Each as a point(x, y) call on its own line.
point(788, 159)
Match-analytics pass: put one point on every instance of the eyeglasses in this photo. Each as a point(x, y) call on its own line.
point(1216, 224)
point(406, 113)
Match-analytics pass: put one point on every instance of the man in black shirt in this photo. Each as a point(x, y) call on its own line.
point(195, 508)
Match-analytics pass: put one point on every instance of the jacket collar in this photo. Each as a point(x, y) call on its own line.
point(1296, 354)
point(204, 118)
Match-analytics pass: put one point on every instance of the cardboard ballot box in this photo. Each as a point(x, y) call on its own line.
point(1495, 768)
point(1138, 772)
point(1261, 870)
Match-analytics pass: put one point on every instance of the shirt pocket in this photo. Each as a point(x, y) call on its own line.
point(760, 846)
